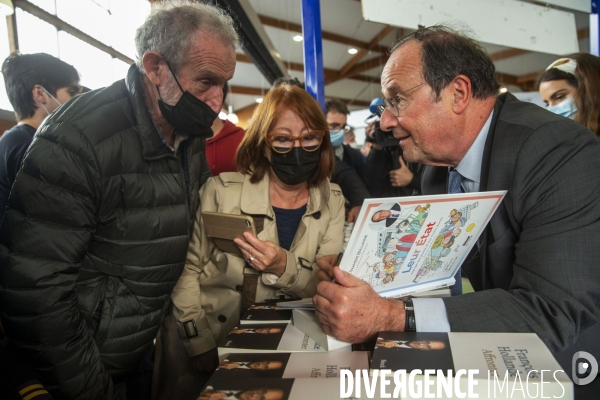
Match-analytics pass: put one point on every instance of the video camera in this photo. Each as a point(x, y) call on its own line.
point(382, 138)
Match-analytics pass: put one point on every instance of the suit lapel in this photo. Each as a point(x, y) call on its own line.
point(434, 180)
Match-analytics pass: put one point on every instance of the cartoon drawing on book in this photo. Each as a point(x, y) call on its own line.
point(402, 246)
point(446, 240)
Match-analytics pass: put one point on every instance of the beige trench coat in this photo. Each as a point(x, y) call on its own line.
point(209, 289)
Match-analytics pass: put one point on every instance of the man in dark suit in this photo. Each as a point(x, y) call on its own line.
point(536, 267)
point(390, 216)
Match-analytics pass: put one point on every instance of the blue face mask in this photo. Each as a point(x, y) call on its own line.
point(337, 137)
point(566, 108)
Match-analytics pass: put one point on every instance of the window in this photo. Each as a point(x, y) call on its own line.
point(112, 22)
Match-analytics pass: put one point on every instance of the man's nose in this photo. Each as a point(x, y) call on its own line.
point(214, 98)
point(387, 121)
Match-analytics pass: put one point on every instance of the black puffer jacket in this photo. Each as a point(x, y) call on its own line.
point(95, 238)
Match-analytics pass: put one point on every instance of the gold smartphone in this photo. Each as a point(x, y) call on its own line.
point(223, 228)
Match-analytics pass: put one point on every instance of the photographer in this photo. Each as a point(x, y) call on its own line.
point(389, 175)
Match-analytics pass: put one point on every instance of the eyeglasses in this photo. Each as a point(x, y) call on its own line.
point(284, 143)
point(346, 128)
point(396, 103)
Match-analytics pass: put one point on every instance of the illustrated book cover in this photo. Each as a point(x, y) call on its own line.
point(402, 246)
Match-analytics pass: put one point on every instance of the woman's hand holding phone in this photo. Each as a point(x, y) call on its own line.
point(263, 256)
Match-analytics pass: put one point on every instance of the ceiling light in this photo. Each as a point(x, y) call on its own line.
point(259, 100)
point(503, 90)
point(6, 7)
point(298, 38)
point(222, 115)
point(352, 50)
point(232, 117)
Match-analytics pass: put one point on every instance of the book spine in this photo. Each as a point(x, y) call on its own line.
point(401, 292)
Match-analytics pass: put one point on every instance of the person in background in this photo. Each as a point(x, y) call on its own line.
point(99, 218)
point(285, 161)
point(535, 267)
point(390, 175)
point(336, 113)
point(571, 87)
point(220, 149)
point(36, 84)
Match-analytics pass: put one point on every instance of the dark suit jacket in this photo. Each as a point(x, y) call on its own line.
point(538, 268)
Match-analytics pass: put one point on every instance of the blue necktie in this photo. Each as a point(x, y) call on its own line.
point(454, 187)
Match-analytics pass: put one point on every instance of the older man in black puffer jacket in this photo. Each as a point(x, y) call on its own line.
point(96, 233)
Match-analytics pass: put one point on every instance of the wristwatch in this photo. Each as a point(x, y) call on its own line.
point(409, 312)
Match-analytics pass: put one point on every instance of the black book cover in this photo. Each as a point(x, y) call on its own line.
point(255, 336)
point(223, 387)
point(267, 312)
point(412, 350)
point(257, 365)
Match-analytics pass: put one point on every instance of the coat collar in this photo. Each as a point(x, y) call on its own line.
point(317, 201)
point(153, 145)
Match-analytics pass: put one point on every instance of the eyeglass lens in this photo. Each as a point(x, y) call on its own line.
point(283, 143)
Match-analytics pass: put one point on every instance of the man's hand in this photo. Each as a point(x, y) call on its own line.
point(370, 130)
point(402, 176)
point(263, 256)
point(206, 362)
point(351, 311)
point(353, 214)
point(326, 264)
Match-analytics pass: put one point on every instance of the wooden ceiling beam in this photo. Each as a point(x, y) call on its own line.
point(329, 73)
point(365, 66)
point(293, 27)
point(387, 29)
point(505, 79)
point(234, 89)
point(528, 78)
point(358, 103)
point(507, 54)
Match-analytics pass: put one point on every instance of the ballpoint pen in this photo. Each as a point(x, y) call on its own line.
point(337, 264)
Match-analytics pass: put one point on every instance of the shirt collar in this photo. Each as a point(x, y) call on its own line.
point(470, 165)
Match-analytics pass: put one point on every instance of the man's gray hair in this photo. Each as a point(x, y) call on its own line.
point(171, 26)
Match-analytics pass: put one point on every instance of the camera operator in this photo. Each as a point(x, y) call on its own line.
point(389, 174)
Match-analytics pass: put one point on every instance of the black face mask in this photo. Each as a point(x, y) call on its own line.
point(296, 166)
point(190, 115)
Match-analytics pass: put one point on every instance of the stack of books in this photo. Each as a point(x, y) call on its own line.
point(406, 246)
point(469, 365)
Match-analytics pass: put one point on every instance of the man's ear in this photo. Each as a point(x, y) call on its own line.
point(154, 68)
point(461, 90)
point(38, 94)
